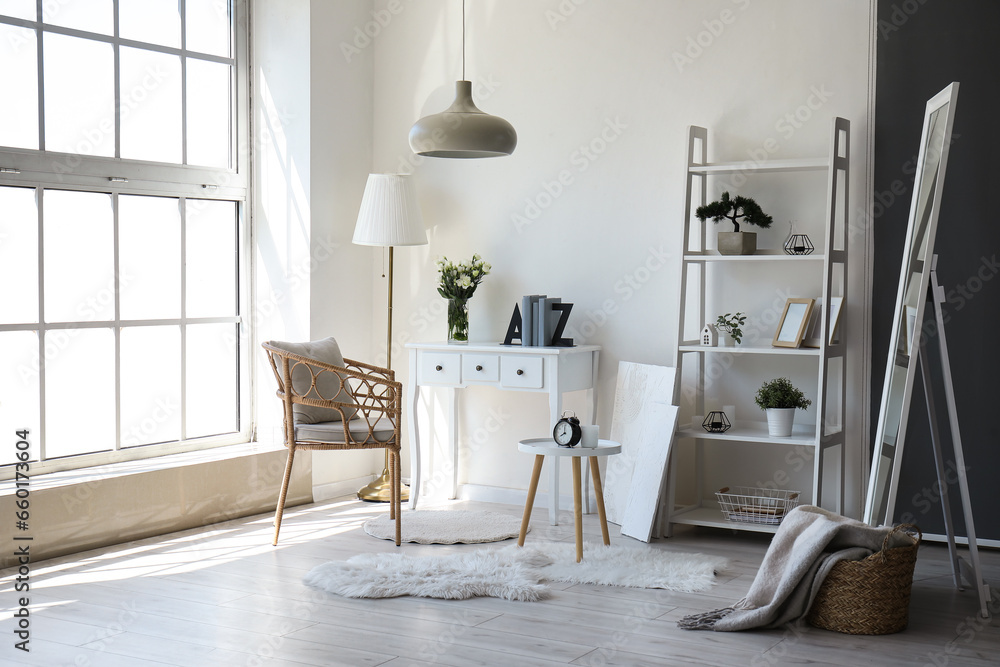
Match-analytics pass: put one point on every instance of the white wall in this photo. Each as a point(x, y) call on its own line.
point(601, 93)
point(281, 207)
point(341, 140)
point(313, 129)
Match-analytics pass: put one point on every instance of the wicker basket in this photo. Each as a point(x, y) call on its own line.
point(869, 596)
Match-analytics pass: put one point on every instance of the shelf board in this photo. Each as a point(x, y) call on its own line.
point(755, 349)
point(712, 517)
point(760, 256)
point(751, 166)
point(748, 431)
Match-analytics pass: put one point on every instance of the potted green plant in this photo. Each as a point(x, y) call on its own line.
point(779, 398)
point(733, 326)
point(735, 210)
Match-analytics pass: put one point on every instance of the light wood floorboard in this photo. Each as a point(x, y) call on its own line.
point(222, 596)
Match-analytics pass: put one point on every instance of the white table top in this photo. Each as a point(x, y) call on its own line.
point(500, 348)
point(548, 447)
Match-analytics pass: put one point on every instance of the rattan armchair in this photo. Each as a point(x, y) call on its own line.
point(369, 418)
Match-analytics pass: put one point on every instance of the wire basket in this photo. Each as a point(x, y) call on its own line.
point(747, 504)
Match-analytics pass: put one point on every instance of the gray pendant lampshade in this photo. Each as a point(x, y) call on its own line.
point(389, 214)
point(462, 130)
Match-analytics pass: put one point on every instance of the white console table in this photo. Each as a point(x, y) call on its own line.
point(552, 370)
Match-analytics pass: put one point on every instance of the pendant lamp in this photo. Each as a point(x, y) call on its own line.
point(462, 130)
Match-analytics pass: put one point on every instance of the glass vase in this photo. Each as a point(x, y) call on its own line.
point(458, 321)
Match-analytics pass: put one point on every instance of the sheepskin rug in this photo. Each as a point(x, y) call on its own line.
point(514, 573)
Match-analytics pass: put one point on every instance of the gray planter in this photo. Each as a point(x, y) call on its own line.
point(737, 243)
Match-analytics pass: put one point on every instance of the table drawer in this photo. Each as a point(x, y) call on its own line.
point(521, 372)
point(442, 368)
point(480, 368)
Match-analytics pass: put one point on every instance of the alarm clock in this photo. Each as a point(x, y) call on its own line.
point(567, 431)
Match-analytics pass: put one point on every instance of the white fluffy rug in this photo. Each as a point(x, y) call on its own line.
point(447, 527)
point(514, 573)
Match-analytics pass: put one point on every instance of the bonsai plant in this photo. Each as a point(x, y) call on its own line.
point(779, 398)
point(735, 210)
point(732, 325)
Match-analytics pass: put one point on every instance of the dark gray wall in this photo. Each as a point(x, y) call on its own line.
point(923, 45)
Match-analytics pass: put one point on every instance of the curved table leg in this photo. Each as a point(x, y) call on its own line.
point(414, 428)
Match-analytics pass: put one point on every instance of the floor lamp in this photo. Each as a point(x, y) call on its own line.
point(389, 217)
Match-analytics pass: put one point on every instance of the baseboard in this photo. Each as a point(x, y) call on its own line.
point(980, 542)
point(506, 496)
point(332, 490)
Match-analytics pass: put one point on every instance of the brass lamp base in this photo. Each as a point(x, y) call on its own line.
point(380, 490)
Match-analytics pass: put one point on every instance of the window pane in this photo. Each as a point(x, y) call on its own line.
point(211, 379)
point(79, 96)
point(78, 233)
point(149, 257)
point(150, 105)
point(208, 113)
point(211, 258)
point(151, 385)
point(79, 391)
point(19, 81)
point(89, 15)
point(22, 9)
point(153, 21)
point(208, 26)
point(18, 255)
point(19, 391)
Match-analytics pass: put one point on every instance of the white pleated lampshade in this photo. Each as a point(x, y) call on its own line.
point(390, 215)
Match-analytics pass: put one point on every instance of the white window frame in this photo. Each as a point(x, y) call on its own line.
point(45, 170)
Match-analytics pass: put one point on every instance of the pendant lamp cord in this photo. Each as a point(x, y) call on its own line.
point(463, 40)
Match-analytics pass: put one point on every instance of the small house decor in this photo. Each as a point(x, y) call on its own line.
point(709, 336)
point(716, 422)
point(735, 209)
point(779, 398)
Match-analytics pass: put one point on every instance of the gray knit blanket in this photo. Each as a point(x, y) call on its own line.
point(809, 541)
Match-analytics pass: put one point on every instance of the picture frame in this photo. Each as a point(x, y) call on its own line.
point(812, 338)
point(793, 323)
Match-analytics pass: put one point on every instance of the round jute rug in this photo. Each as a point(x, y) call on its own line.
point(447, 527)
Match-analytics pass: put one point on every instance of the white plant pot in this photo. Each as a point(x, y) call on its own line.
point(779, 422)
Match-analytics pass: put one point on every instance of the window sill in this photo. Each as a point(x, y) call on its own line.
point(93, 474)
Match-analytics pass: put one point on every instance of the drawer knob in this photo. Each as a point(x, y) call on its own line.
point(479, 368)
point(520, 372)
point(439, 367)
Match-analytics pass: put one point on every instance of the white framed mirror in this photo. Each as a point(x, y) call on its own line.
point(914, 278)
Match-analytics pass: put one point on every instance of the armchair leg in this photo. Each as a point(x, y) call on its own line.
point(281, 495)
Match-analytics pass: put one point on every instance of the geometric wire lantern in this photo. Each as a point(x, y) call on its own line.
point(799, 244)
point(716, 422)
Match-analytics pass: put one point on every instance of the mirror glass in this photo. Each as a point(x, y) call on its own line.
point(914, 279)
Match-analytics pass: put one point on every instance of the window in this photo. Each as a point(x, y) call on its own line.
point(123, 235)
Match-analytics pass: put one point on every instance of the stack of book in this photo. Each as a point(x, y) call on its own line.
point(543, 319)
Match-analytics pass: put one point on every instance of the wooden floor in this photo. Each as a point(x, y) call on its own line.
point(225, 596)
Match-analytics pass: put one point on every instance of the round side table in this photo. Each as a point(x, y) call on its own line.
point(542, 447)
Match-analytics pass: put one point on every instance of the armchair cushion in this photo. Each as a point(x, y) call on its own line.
point(333, 432)
point(327, 382)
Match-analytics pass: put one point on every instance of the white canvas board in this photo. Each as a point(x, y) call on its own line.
point(649, 473)
point(642, 393)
